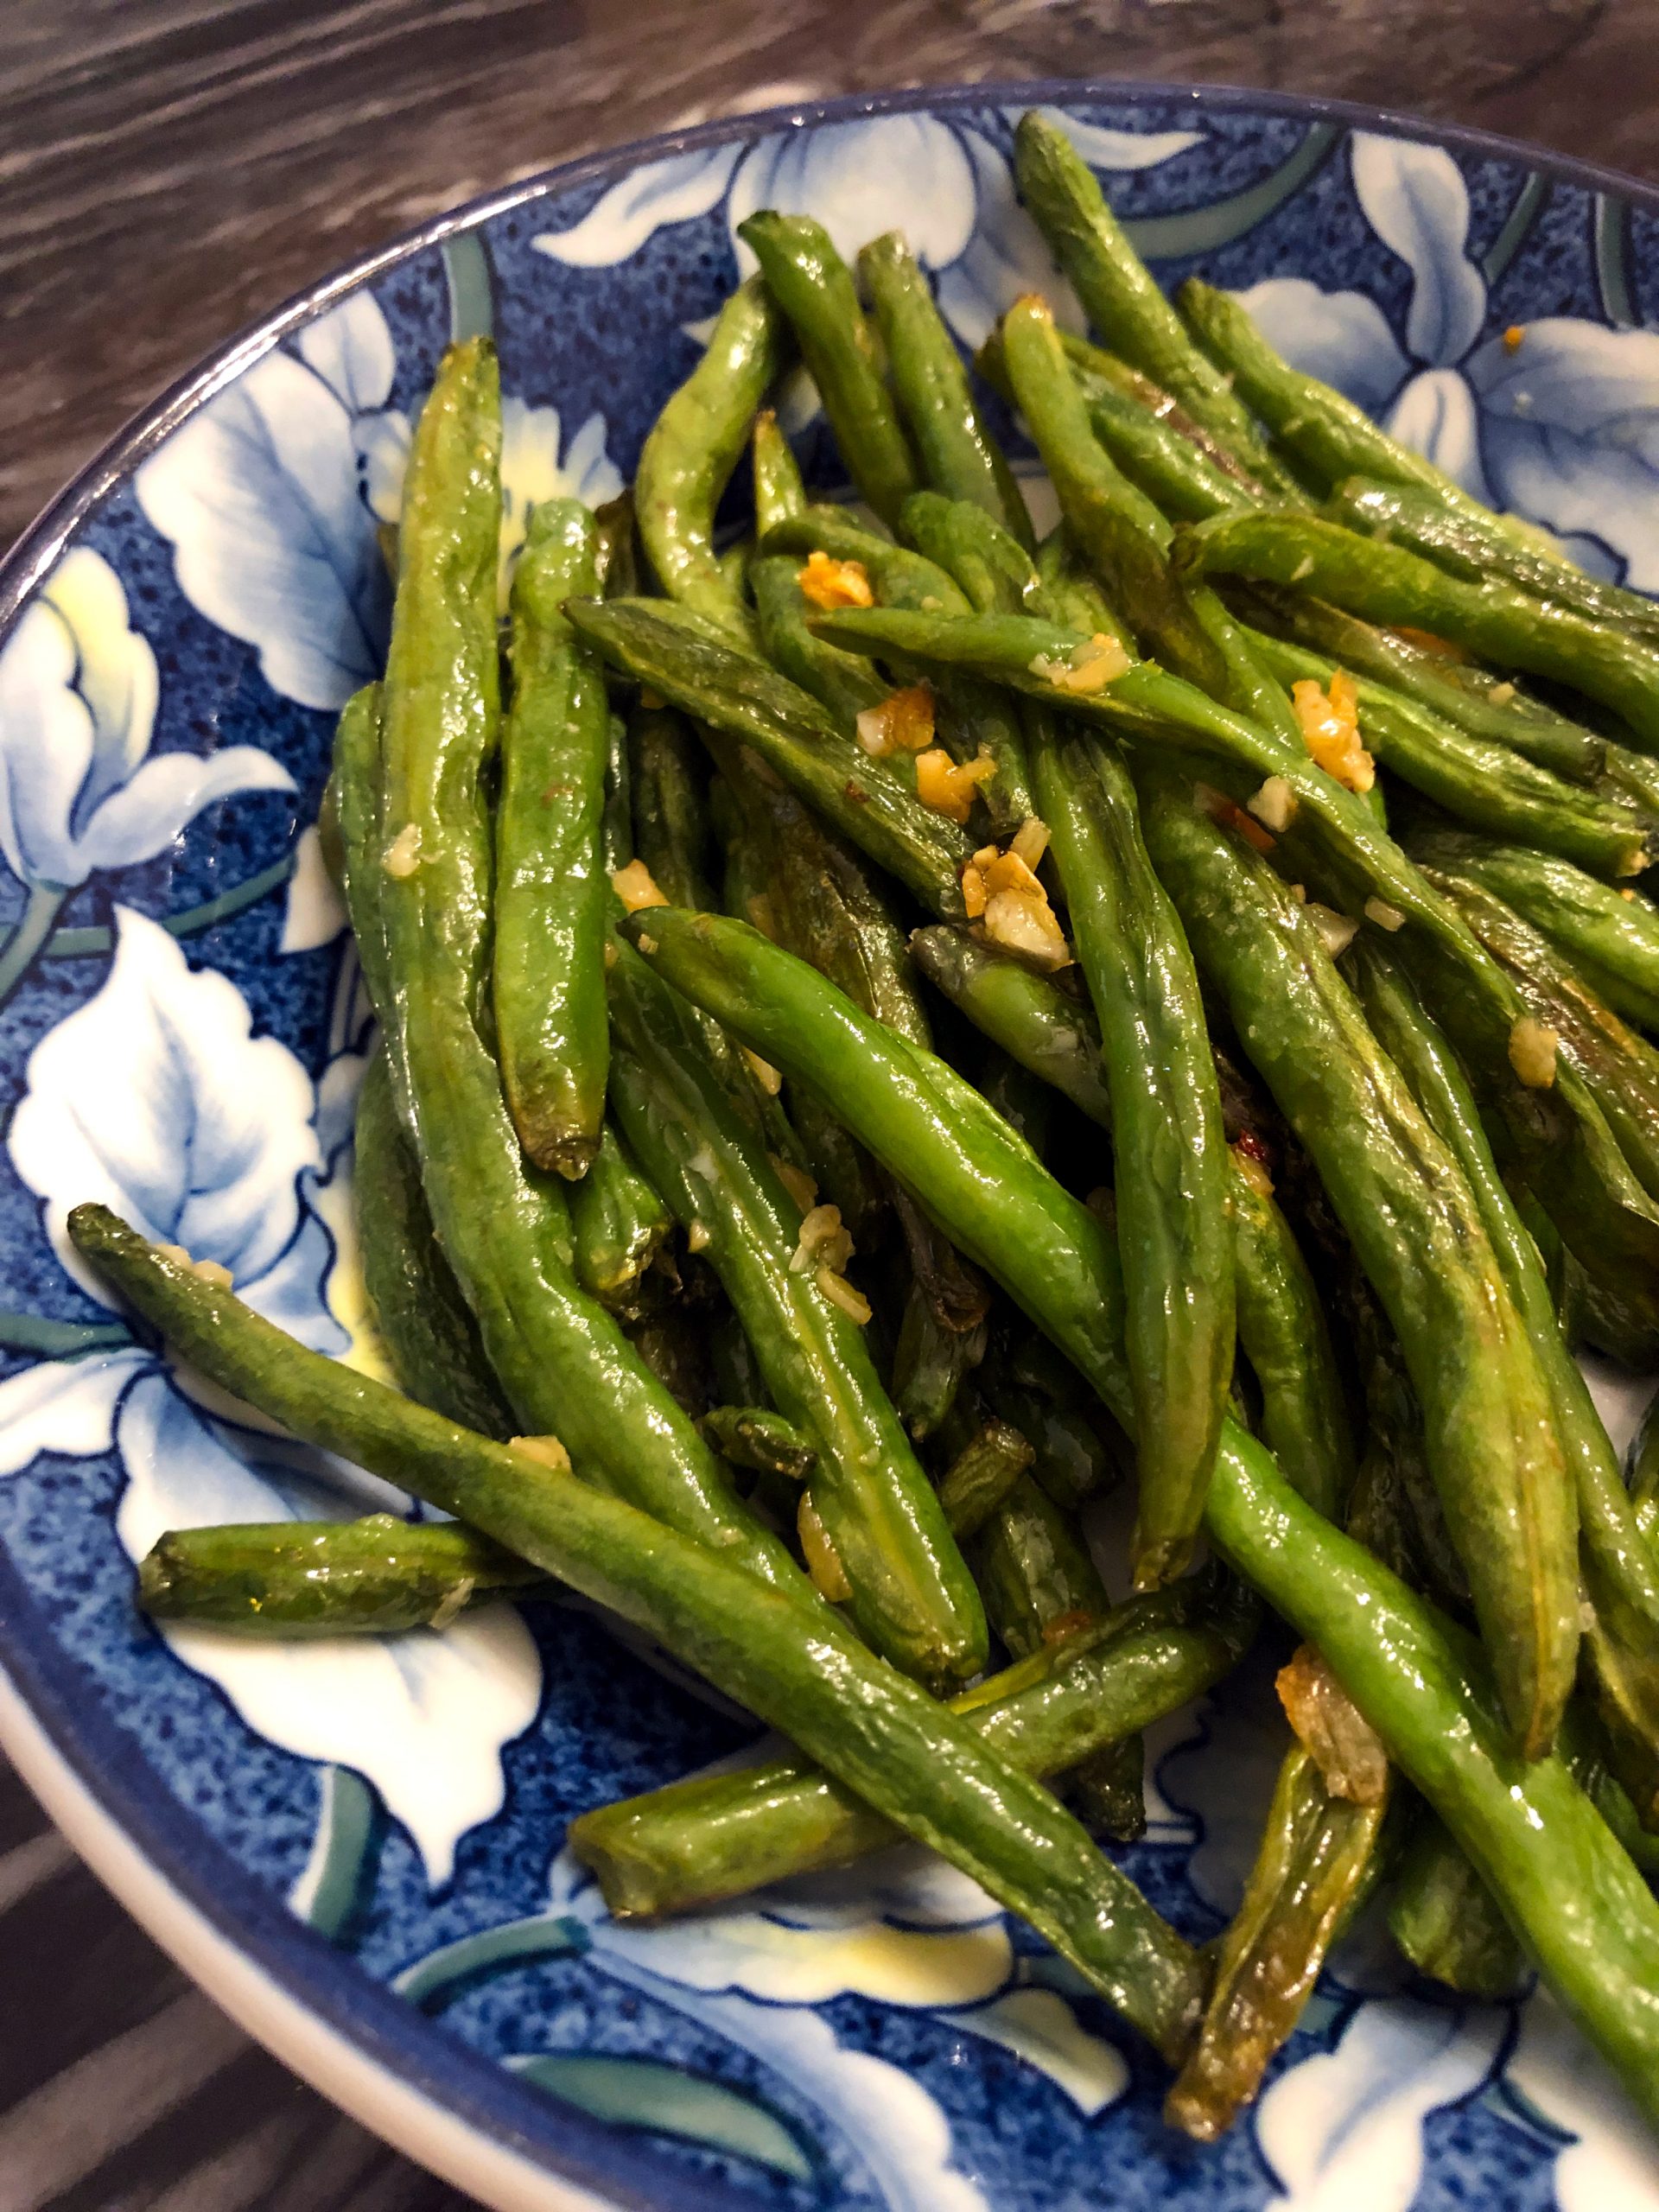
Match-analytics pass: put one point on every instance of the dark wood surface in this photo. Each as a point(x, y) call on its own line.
point(171, 168)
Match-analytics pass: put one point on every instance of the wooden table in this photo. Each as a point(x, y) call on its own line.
point(170, 170)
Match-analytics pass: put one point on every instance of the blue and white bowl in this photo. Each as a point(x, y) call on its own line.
point(358, 1848)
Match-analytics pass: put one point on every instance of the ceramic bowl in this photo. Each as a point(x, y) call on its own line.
point(357, 1849)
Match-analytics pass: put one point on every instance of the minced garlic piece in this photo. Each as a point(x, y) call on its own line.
point(1428, 641)
point(1335, 931)
point(1501, 694)
point(635, 887)
point(1016, 913)
point(1533, 1046)
point(763, 1071)
point(824, 1240)
point(1385, 917)
point(823, 1560)
point(947, 785)
point(1089, 667)
point(546, 1449)
point(1344, 1746)
point(1252, 1170)
point(837, 1288)
point(829, 583)
point(697, 1239)
point(902, 723)
point(1303, 569)
point(1275, 805)
point(209, 1271)
point(974, 890)
point(796, 1181)
point(1330, 722)
point(1030, 841)
point(453, 1601)
point(402, 855)
point(1221, 808)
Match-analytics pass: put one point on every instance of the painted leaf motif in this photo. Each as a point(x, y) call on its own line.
point(1041, 2028)
point(258, 494)
point(620, 221)
point(351, 349)
point(115, 674)
point(155, 1098)
point(1436, 416)
point(1614, 2162)
point(314, 913)
point(1416, 202)
point(1343, 2132)
point(66, 1406)
point(1104, 147)
point(852, 176)
point(1005, 257)
point(46, 747)
point(669, 2100)
point(423, 1717)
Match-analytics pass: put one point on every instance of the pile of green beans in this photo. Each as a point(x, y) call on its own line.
point(806, 1159)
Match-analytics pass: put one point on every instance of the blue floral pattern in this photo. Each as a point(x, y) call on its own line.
point(181, 1033)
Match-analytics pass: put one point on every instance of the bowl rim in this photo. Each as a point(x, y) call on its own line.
point(348, 2035)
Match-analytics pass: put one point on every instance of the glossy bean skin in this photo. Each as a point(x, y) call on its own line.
point(814, 286)
point(1034, 1571)
point(666, 776)
point(562, 1363)
point(376, 1577)
point(1118, 292)
point(959, 455)
point(1610, 937)
point(779, 491)
point(423, 1320)
point(1447, 1922)
point(1386, 583)
point(1564, 1881)
point(619, 1227)
point(1495, 1461)
point(839, 681)
point(552, 896)
point(1468, 544)
point(912, 1597)
point(785, 1656)
point(980, 1477)
point(697, 1842)
point(696, 443)
point(1170, 1155)
point(755, 1436)
point(685, 661)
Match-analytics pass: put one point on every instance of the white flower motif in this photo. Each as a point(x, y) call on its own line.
point(155, 1098)
point(951, 184)
point(903, 1929)
point(1612, 2160)
point(1562, 429)
point(78, 788)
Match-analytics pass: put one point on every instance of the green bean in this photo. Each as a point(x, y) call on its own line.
point(616, 554)
point(616, 829)
point(1621, 1621)
point(424, 1321)
point(1075, 596)
point(1186, 484)
point(1468, 542)
point(1565, 1882)
point(1170, 1154)
point(1071, 1463)
point(996, 573)
point(1620, 1068)
point(1457, 692)
point(1124, 535)
point(931, 1362)
point(353, 807)
point(1477, 781)
point(1038, 1581)
point(1118, 292)
point(734, 692)
point(1611, 937)
point(1107, 1791)
point(1028, 1015)
point(754, 1437)
point(620, 1227)
point(911, 1595)
point(1387, 584)
point(1445, 1919)
point(1317, 1858)
point(791, 1662)
point(1282, 1331)
point(376, 1577)
point(977, 1482)
point(814, 286)
point(839, 681)
point(1023, 1100)
point(695, 445)
point(1326, 434)
point(666, 776)
point(697, 1842)
point(1398, 1193)
point(1556, 1139)
point(959, 455)
point(779, 490)
point(552, 895)
point(563, 1365)
point(899, 575)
